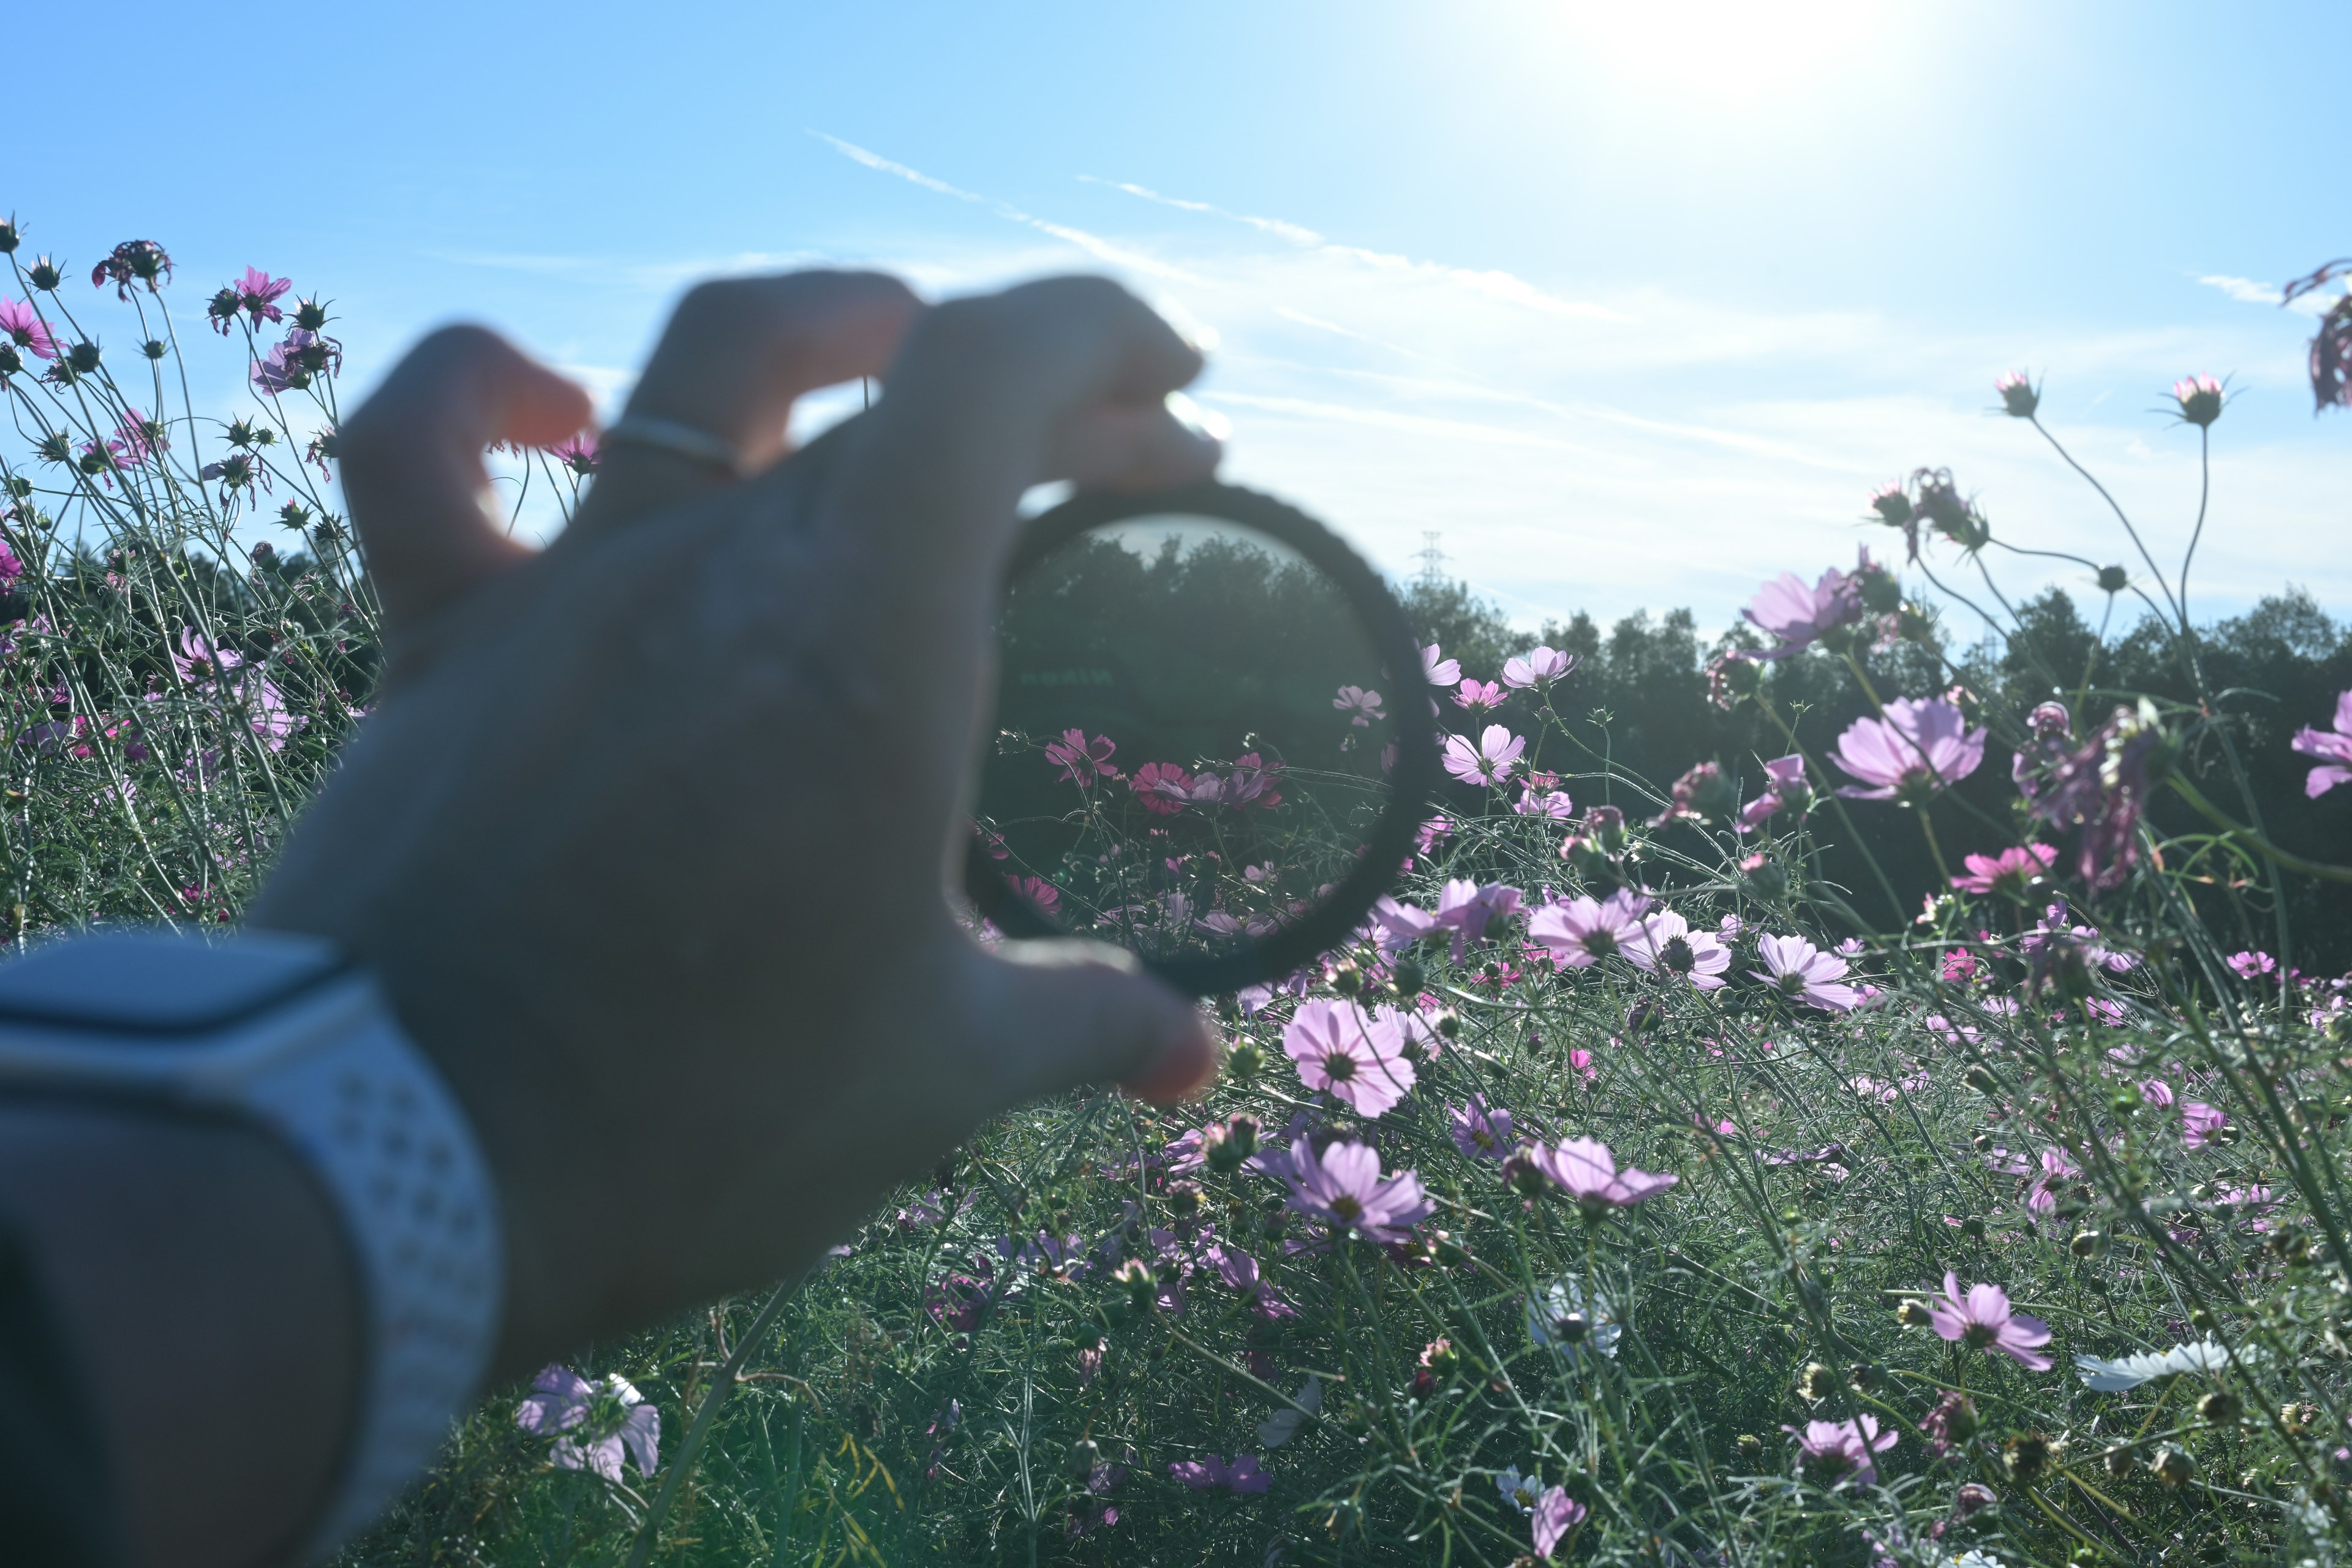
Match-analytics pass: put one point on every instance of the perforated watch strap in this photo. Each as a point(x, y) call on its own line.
point(392, 1147)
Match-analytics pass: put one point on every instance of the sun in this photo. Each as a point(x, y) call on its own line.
point(1726, 53)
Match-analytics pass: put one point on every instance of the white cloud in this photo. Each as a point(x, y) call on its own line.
point(2247, 291)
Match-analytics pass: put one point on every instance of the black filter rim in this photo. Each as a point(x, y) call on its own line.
point(1412, 783)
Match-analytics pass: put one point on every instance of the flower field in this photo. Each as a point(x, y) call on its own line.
point(1641, 1185)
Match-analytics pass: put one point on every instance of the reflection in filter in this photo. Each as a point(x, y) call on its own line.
point(1192, 738)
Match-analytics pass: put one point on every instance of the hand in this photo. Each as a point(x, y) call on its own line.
point(649, 836)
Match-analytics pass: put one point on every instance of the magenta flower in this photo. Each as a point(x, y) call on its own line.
point(23, 328)
point(2198, 1123)
point(2057, 1166)
point(1466, 909)
point(11, 568)
point(1583, 931)
point(2247, 965)
point(2011, 873)
point(1480, 697)
point(1343, 1188)
point(2156, 1091)
point(1665, 944)
point(1538, 667)
point(1209, 1472)
point(1437, 669)
point(2334, 749)
point(1788, 787)
point(1916, 750)
point(1081, 760)
point(1804, 972)
point(1349, 1056)
point(1556, 1514)
point(259, 292)
point(1038, 891)
point(576, 452)
point(2199, 397)
point(1586, 1171)
point(1489, 762)
point(2103, 788)
point(1551, 802)
point(1480, 1131)
point(1162, 787)
point(1797, 614)
point(1848, 1447)
point(1982, 1319)
point(1360, 706)
point(593, 1424)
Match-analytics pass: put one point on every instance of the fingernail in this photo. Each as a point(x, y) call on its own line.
point(1207, 423)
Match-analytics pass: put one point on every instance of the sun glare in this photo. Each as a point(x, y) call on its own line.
point(1728, 52)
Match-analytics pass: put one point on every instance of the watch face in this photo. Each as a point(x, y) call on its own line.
point(155, 985)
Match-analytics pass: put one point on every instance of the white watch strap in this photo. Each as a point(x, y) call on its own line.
point(277, 1030)
point(392, 1147)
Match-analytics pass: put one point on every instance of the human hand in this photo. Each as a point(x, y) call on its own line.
point(648, 838)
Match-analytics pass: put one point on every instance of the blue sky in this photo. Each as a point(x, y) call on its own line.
point(1631, 305)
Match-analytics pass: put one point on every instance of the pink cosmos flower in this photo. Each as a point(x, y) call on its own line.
point(1797, 614)
point(1162, 787)
point(1801, 971)
point(576, 452)
point(22, 327)
point(1916, 750)
point(1665, 944)
point(259, 292)
point(1467, 907)
point(1038, 891)
point(1360, 706)
point(2156, 1091)
point(1489, 762)
point(1208, 1472)
point(1847, 1446)
point(1081, 760)
point(2336, 749)
point(2010, 872)
point(2247, 965)
point(2103, 787)
point(1480, 697)
point(1553, 804)
point(1583, 931)
point(1346, 1054)
point(1343, 1188)
point(1586, 1171)
point(1982, 1319)
point(1437, 669)
point(2018, 396)
point(1480, 1131)
point(593, 1424)
point(2057, 1166)
point(2198, 1123)
point(1556, 1514)
point(2199, 397)
point(1788, 786)
point(1538, 667)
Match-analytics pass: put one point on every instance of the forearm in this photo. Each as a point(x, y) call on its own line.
point(214, 1313)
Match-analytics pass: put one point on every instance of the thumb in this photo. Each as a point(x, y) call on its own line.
point(1071, 1012)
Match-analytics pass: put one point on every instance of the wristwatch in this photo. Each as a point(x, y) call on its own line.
point(285, 1032)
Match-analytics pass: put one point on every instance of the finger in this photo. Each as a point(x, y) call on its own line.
point(1127, 446)
point(413, 470)
point(737, 355)
point(1070, 1012)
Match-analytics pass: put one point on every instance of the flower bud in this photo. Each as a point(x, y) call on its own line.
point(1525, 1176)
point(2018, 395)
point(2118, 1461)
point(1346, 978)
point(309, 315)
point(1816, 1383)
point(154, 347)
point(1084, 1455)
point(43, 274)
point(2112, 580)
point(1245, 1060)
point(1960, 1422)
point(1864, 1378)
point(2172, 1466)
point(1882, 591)
point(83, 357)
point(9, 237)
point(10, 361)
point(1979, 1078)
point(1409, 976)
point(1893, 507)
point(1912, 1313)
point(2088, 1244)
point(2299, 1419)
point(2199, 397)
point(2221, 1408)
point(1448, 1024)
point(2028, 1455)
point(1134, 1277)
point(1183, 1199)
point(1973, 1229)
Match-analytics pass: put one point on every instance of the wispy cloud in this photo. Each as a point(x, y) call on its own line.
point(856, 154)
point(2247, 291)
point(1298, 234)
